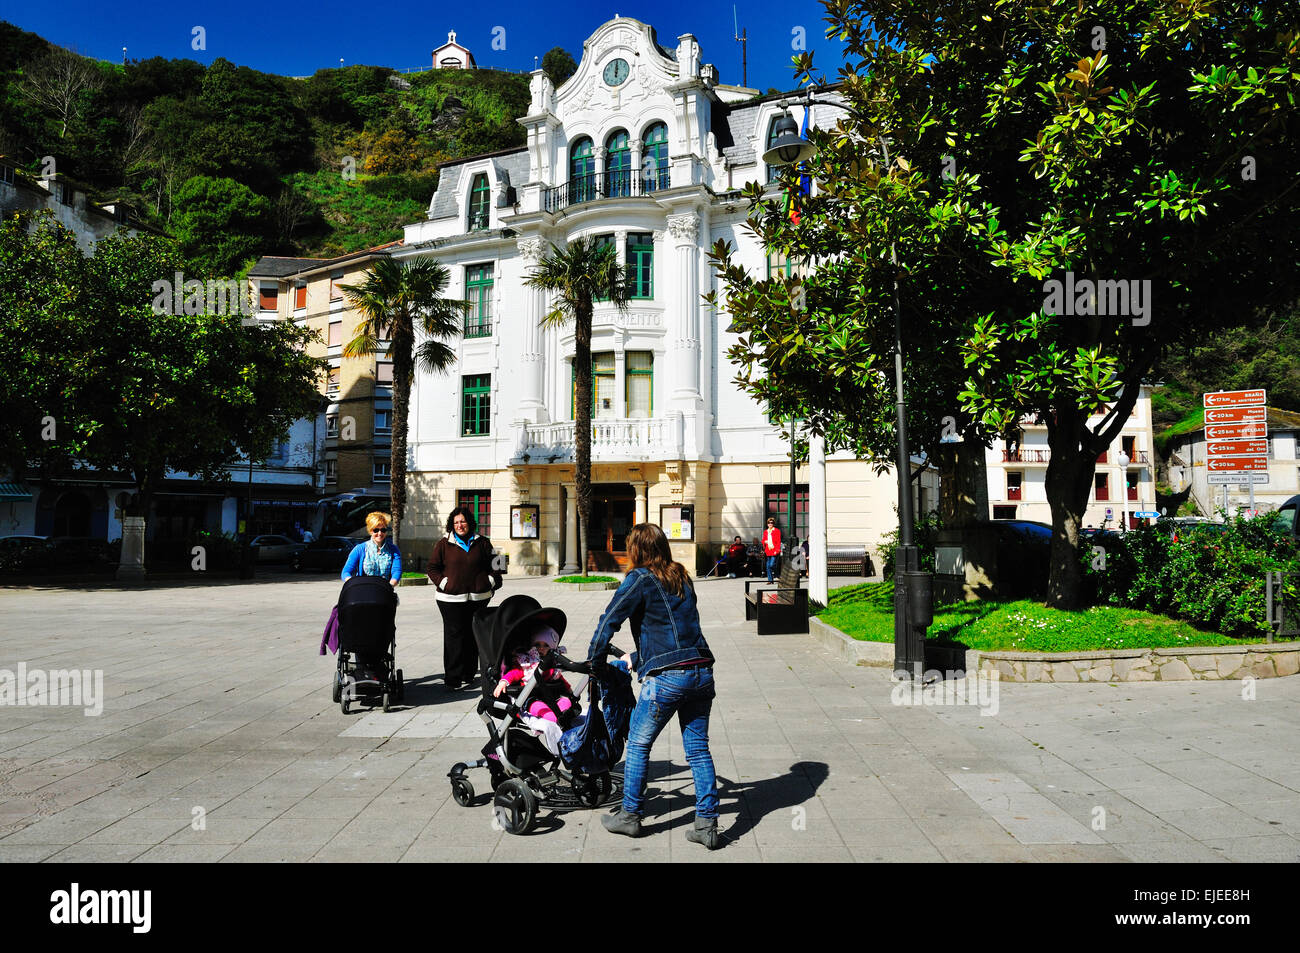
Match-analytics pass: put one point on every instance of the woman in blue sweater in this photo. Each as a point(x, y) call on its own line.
point(675, 666)
point(379, 556)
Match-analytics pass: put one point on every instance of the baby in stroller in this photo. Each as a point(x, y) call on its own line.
point(551, 707)
point(541, 751)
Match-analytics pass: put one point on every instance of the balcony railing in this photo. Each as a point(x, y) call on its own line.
point(637, 438)
point(595, 186)
point(1026, 456)
point(478, 328)
point(1138, 458)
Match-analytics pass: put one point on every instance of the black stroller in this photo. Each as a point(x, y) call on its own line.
point(367, 640)
point(524, 774)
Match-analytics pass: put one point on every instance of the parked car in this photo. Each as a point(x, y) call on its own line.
point(272, 548)
point(329, 554)
point(21, 544)
point(1024, 550)
point(1180, 527)
point(1286, 517)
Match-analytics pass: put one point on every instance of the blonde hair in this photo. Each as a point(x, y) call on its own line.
point(377, 519)
point(647, 547)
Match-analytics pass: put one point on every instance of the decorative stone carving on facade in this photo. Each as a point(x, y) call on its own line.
point(685, 228)
point(629, 319)
point(530, 249)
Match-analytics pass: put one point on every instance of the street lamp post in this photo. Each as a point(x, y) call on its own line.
point(913, 589)
point(1123, 491)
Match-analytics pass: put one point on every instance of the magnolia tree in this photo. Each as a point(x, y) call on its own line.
point(1070, 192)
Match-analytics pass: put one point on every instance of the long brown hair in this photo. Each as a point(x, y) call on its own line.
point(647, 547)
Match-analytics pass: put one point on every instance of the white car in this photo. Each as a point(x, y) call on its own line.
point(276, 549)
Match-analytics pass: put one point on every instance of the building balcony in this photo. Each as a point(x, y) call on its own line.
point(638, 438)
point(1139, 457)
point(1025, 456)
point(598, 186)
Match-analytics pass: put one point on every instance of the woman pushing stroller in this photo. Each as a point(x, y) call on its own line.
point(675, 667)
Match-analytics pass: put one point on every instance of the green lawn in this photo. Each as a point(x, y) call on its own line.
point(581, 579)
point(866, 612)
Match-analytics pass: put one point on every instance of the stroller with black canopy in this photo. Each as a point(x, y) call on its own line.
point(525, 775)
point(367, 643)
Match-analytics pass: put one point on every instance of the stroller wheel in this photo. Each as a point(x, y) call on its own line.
point(345, 704)
point(591, 790)
point(515, 807)
point(401, 688)
point(386, 701)
point(336, 695)
point(462, 792)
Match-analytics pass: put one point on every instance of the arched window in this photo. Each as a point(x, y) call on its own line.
point(582, 172)
point(479, 195)
point(654, 159)
point(618, 164)
point(772, 170)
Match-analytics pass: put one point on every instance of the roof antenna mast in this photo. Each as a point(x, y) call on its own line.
point(743, 40)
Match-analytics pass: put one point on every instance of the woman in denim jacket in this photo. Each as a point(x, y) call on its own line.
point(676, 670)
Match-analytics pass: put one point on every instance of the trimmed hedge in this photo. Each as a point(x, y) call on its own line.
point(1213, 579)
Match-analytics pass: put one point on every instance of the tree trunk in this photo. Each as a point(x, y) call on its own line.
point(401, 350)
point(582, 427)
point(963, 484)
point(1070, 470)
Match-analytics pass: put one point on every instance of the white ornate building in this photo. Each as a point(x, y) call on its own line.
point(644, 148)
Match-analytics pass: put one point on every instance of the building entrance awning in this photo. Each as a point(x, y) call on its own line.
point(14, 493)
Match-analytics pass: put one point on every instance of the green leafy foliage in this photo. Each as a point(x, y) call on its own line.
point(1022, 152)
point(144, 131)
point(927, 526)
point(128, 389)
point(1214, 579)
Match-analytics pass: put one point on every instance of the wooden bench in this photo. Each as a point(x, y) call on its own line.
point(848, 560)
point(780, 609)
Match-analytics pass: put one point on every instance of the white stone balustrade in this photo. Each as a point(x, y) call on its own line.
point(639, 438)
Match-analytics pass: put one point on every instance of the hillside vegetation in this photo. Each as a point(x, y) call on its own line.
point(236, 163)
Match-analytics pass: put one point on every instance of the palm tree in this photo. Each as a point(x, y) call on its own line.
point(403, 298)
point(584, 270)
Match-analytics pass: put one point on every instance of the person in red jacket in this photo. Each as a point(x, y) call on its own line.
point(736, 553)
point(772, 548)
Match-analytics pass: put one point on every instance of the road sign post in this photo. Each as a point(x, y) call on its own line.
point(1236, 439)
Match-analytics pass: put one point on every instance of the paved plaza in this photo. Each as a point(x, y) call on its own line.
point(218, 742)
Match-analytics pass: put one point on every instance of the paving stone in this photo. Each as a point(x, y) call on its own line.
point(1184, 770)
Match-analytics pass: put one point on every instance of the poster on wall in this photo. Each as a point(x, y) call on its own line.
point(524, 522)
point(678, 522)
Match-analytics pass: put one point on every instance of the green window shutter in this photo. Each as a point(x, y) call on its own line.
point(654, 158)
point(478, 290)
point(640, 264)
point(476, 404)
point(640, 383)
point(478, 502)
point(478, 203)
point(604, 241)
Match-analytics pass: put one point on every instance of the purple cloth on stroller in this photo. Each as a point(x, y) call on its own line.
point(330, 637)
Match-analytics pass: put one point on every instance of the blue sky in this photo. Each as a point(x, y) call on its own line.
point(297, 37)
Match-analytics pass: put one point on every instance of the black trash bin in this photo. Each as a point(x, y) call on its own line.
point(248, 561)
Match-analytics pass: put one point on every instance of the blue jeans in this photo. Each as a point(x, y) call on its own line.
point(773, 567)
point(688, 692)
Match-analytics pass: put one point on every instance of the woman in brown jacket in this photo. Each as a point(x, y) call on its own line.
point(465, 580)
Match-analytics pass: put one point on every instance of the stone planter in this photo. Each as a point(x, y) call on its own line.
point(414, 581)
point(1217, 663)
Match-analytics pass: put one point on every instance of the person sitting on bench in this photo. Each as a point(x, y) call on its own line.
point(737, 554)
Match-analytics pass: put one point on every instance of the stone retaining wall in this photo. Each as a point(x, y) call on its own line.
point(1220, 662)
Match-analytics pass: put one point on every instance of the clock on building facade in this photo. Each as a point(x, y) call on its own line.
point(616, 71)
